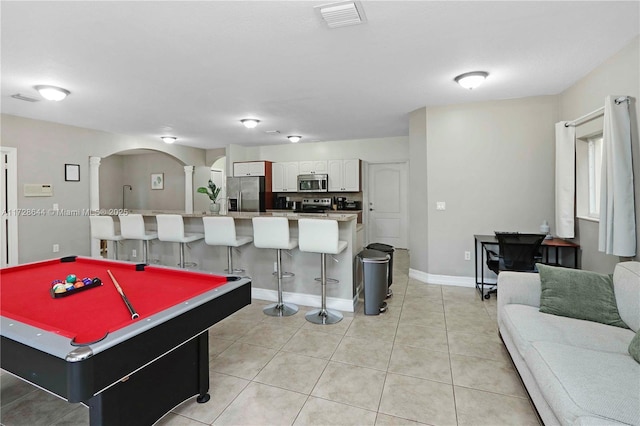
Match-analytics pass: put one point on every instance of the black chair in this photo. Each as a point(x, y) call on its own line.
point(517, 252)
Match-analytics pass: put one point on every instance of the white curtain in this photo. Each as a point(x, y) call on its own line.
point(617, 212)
point(565, 179)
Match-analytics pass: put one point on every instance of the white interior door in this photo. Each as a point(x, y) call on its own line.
point(387, 188)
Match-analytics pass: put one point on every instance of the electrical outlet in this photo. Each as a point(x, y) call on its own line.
point(56, 248)
point(134, 253)
point(467, 255)
point(441, 205)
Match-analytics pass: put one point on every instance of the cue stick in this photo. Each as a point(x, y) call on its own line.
point(133, 312)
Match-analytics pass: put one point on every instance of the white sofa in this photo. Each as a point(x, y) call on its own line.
point(577, 372)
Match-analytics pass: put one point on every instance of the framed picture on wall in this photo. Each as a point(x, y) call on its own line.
point(72, 172)
point(157, 180)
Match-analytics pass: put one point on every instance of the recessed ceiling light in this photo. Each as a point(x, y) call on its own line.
point(52, 93)
point(294, 139)
point(250, 123)
point(168, 139)
point(471, 80)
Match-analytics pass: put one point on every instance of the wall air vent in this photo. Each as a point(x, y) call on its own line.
point(24, 98)
point(342, 13)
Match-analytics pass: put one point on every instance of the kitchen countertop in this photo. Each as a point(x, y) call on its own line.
point(334, 215)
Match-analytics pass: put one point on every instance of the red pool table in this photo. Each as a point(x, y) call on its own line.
point(85, 347)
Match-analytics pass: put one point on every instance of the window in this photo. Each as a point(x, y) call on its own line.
point(595, 176)
point(588, 176)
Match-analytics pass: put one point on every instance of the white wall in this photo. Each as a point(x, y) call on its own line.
point(43, 149)
point(370, 150)
point(492, 163)
point(620, 75)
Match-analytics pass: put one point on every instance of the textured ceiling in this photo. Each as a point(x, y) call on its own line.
point(194, 69)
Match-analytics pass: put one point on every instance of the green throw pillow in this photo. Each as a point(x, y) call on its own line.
point(578, 294)
point(634, 347)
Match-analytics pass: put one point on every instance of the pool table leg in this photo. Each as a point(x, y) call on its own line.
point(203, 367)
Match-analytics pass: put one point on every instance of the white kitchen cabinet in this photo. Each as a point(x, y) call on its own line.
point(250, 168)
point(313, 167)
point(344, 175)
point(285, 176)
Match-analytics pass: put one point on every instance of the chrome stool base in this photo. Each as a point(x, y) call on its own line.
point(284, 274)
point(329, 280)
point(280, 309)
point(323, 316)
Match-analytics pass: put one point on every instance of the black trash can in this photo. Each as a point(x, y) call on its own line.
point(385, 248)
point(375, 268)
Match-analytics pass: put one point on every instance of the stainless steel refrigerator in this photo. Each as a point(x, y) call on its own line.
point(247, 194)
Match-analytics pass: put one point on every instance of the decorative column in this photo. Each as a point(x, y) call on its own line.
point(94, 197)
point(188, 189)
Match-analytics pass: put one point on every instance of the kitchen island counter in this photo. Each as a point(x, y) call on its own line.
point(302, 289)
point(334, 215)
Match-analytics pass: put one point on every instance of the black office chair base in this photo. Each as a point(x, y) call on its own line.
point(280, 309)
point(323, 316)
point(487, 295)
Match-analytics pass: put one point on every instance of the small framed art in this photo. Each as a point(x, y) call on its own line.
point(72, 172)
point(157, 180)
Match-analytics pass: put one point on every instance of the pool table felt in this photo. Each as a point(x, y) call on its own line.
point(89, 315)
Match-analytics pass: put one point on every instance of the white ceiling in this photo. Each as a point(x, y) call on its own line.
point(194, 69)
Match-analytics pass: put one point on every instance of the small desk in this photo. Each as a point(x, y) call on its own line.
point(491, 240)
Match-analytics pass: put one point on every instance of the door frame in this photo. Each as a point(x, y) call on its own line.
point(12, 203)
point(367, 195)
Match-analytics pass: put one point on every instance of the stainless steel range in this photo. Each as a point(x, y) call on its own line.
point(315, 205)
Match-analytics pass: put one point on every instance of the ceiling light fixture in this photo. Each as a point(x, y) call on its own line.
point(52, 93)
point(471, 80)
point(250, 123)
point(168, 139)
point(294, 139)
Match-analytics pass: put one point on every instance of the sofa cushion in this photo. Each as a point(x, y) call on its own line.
point(634, 347)
point(579, 382)
point(626, 283)
point(525, 324)
point(578, 294)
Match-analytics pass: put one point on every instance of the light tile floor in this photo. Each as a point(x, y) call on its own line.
point(434, 358)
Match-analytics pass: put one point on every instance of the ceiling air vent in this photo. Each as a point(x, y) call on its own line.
point(342, 14)
point(24, 98)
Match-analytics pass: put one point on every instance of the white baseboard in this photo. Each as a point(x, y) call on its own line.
point(345, 305)
point(453, 280)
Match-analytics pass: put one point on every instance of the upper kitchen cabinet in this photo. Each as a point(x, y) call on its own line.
point(344, 175)
point(251, 168)
point(313, 167)
point(285, 176)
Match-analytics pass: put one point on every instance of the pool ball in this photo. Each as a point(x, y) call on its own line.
point(96, 281)
point(71, 278)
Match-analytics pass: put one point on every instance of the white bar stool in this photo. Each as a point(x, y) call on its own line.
point(221, 231)
point(103, 228)
point(171, 229)
point(132, 228)
point(273, 233)
point(321, 236)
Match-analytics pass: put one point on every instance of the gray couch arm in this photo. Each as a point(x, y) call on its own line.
point(518, 287)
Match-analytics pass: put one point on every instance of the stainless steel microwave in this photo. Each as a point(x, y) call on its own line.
point(313, 183)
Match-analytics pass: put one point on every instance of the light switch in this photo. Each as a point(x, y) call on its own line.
point(441, 205)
